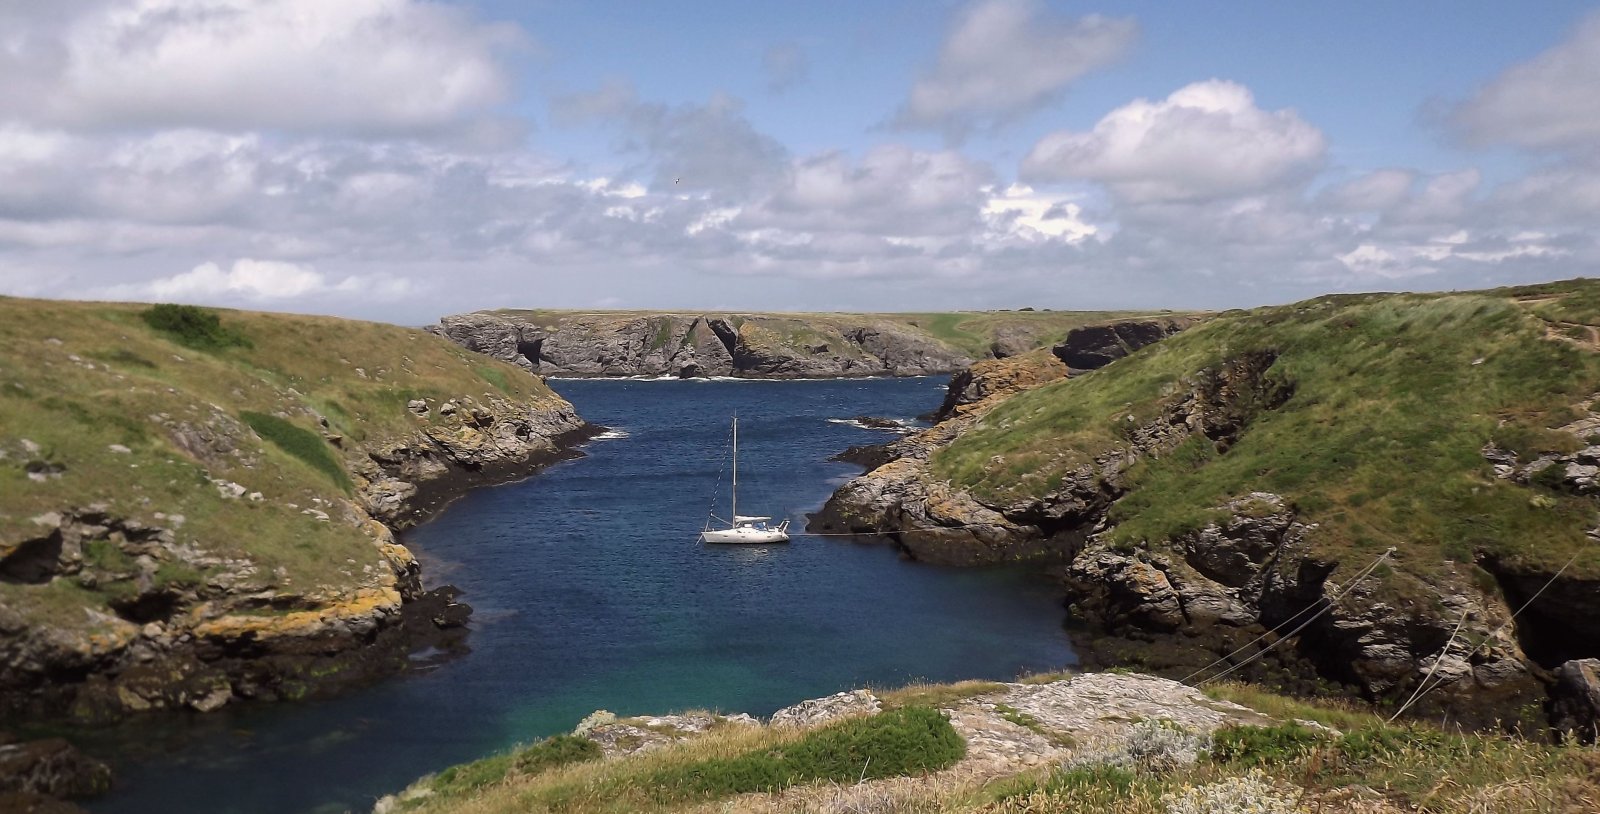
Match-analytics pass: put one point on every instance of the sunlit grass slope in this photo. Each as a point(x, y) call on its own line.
point(93, 396)
point(1393, 399)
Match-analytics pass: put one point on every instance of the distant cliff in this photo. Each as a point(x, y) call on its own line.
point(757, 346)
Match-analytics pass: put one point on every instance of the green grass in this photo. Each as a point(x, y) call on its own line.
point(540, 756)
point(898, 742)
point(300, 443)
point(76, 378)
point(1393, 398)
point(494, 376)
point(1414, 767)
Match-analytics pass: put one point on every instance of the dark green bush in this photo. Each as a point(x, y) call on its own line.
point(473, 776)
point(552, 752)
point(894, 743)
point(1263, 745)
point(193, 327)
point(546, 754)
point(299, 442)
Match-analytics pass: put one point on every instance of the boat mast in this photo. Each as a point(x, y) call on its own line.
point(735, 470)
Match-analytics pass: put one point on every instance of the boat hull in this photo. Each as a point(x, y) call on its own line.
point(744, 536)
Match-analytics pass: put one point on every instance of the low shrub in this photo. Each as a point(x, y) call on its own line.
point(557, 751)
point(299, 442)
point(540, 756)
point(1263, 745)
point(193, 327)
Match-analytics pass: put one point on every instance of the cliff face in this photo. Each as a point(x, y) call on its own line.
point(773, 346)
point(1248, 475)
point(1083, 349)
point(184, 528)
point(703, 346)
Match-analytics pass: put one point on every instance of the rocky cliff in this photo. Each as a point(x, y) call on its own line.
point(768, 346)
point(1247, 476)
point(193, 517)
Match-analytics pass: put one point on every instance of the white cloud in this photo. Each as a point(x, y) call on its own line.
point(1003, 58)
point(353, 66)
point(253, 281)
point(1206, 140)
point(1549, 102)
point(1021, 211)
point(892, 190)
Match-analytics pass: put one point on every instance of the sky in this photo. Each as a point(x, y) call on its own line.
point(404, 159)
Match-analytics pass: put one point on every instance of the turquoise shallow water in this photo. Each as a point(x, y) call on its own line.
point(591, 592)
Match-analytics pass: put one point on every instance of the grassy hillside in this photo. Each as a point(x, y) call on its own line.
point(144, 413)
point(1391, 400)
point(970, 332)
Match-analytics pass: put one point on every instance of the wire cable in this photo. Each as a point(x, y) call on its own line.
point(1421, 693)
point(1362, 574)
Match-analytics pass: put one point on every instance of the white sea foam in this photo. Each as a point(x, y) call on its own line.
point(611, 435)
point(902, 426)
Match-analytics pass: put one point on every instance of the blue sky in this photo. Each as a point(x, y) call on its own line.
point(1363, 71)
point(399, 159)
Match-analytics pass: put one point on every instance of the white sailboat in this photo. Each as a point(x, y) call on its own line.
point(744, 528)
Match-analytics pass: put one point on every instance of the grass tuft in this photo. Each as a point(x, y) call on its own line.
point(898, 742)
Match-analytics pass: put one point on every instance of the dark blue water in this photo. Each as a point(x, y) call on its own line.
point(592, 592)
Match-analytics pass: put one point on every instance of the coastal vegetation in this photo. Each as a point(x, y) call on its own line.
point(170, 470)
point(1301, 756)
point(1370, 419)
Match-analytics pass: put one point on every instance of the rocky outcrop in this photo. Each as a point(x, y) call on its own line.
point(1575, 700)
point(997, 378)
point(1087, 348)
point(1209, 592)
point(745, 346)
point(192, 629)
point(1095, 346)
point(818, 711)
point(49, 768)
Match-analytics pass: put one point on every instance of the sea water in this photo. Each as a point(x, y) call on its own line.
point(591, 591)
